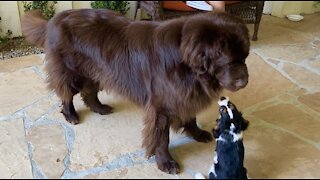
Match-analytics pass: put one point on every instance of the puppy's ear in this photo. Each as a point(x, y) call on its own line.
point(244, 124)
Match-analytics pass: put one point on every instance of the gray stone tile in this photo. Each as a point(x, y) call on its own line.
point(14, 157)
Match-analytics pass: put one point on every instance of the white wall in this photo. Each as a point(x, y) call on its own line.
point(81, 4)
point(63, 5)
point(283, 8)
point(10, 18)
point(267, 8)
point(130, 13)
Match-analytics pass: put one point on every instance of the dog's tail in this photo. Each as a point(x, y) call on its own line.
point(34, 27)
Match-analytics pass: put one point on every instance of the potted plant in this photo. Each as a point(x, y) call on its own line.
point(120, 6)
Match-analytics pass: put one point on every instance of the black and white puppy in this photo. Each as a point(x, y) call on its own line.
point(229, 153)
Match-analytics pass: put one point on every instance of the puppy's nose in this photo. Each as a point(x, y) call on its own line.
point(240, 83)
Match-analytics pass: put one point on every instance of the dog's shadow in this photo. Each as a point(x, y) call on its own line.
point(194, 156)
point(118, 106)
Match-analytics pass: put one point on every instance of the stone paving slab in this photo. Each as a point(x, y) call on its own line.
point(281, 102)
point(49, 149)
point(19, 89)
point(273, 153)
point(19, 63)
point(14, 158)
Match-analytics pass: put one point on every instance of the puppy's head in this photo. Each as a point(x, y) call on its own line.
point(215, 47)
point(230, 118)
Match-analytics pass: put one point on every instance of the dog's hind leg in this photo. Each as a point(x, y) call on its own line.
point(194, 131)
point(69, 111)
point(66, 93)
point(89, 93)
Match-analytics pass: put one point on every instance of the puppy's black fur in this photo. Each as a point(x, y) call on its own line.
point(229, 153)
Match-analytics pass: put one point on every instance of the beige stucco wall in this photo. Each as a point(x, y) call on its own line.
point(10, 18)
point(81, 4)
point(20, 9)
point(283, 8)
point(63, 5)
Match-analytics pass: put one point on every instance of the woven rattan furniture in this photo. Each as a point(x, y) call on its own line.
point(249, 11)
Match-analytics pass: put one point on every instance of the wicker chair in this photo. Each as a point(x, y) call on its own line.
point(249, 11)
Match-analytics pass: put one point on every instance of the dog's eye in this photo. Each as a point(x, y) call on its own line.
point(203, 54)
point(202, 70)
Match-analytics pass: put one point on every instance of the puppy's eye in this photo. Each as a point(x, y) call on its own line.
point(223, 109)
point(231, 106)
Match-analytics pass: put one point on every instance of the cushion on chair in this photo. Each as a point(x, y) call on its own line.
point(181, 5)
point(230, 2)
point(177, 5)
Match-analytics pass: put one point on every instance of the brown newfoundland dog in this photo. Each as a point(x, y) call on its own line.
point(173, 69)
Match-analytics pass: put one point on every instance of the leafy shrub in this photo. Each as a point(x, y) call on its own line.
point(4, 40)
point(120, 6)
point(47, 8)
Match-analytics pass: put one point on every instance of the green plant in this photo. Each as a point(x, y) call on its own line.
point(3, 40)
point(47, 8)
point(316, 4)
point(120, 6)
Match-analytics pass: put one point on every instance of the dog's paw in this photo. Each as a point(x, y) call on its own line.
point(71, 118)
point(103, 109)
point(170, 167)
point(73, 121)
point(203, 136)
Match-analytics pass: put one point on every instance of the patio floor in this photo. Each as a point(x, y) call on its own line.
point(281, 101)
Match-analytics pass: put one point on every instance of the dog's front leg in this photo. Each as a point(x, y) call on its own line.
point(194, 131)
point(156, 141)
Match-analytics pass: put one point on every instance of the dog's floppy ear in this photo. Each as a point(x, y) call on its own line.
point(200, 46)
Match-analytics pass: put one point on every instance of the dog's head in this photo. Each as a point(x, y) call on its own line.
point(231, 120)
point(215, 47)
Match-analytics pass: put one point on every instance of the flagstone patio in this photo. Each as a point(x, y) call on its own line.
point(281, 101)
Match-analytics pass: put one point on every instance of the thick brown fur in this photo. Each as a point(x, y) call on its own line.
point(174, 68)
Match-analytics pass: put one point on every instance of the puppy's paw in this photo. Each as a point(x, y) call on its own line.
point(170, 167)
point(103, 109)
